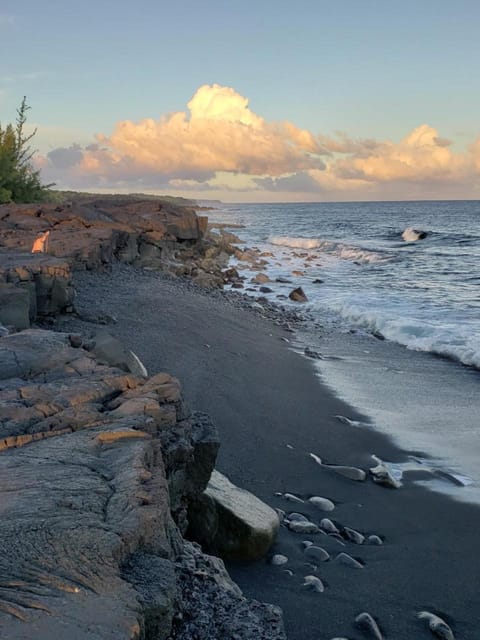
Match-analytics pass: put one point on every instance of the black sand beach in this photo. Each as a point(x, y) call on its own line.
point(262, 396)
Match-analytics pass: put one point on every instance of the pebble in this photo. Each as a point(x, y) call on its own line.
point(317, 553)
point(348, 561)
point(367, 624)
point(382, 475)
point(292, 498)
point(289, 572)
point(375, 540)
point(353, 473)
point(312, 582)
point(302, 527)
point(278, 559)
point(354, 536)
point(324, 504)
point(327, 525)
point(297, 517)
point(306, 543)
point(316, 458)
point(311, 353)
point(437, 625)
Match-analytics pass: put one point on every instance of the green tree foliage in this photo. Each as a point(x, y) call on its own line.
point(19, 182)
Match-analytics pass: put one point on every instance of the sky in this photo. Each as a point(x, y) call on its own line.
point(249, 101)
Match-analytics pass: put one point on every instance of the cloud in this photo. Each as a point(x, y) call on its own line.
point(421, 155)
point(220, 144)
point(219, 133)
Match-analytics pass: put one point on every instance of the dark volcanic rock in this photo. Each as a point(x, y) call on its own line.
point(297, 295)
point(97, 468)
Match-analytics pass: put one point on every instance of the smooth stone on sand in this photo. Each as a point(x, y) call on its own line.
point(312, 582)
point(375, 540)
point(317, 553)
point(293, 498)
point(316, 458)
point(327, 525)
point(303, 527)
point(354, 536)
point(297, 517)
point(382, 475)
point(324, 504)
point(348, 561)
point(366, 623)
point(278, 559)
point(437, 625)
point(306, 543)
point(352, 473)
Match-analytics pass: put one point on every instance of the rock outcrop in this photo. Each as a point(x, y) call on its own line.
point(97, 469)
point(31, 285)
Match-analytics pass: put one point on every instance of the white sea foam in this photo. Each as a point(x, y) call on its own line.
point(296, 243)
point(337, 249)
point(445, 340)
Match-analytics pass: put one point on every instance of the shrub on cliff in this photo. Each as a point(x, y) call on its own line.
point(19, 181)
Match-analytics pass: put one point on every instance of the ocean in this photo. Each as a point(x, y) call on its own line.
point(394, 293)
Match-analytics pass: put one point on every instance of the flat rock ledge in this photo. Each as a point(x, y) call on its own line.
point(97, 469)
point(232, 522)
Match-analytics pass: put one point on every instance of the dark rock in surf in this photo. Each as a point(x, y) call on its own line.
point(298, 295)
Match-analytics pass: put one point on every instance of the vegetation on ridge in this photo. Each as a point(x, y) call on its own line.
point(19, 181)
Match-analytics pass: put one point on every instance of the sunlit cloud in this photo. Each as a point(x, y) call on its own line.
point(220, 145)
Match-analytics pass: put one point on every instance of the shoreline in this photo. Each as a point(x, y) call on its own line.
point(263, 397)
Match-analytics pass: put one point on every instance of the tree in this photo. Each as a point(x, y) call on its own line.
point(19, 181)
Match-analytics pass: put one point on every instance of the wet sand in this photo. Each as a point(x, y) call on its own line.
point(234, 365)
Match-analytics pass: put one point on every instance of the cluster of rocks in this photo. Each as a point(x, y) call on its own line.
point(98, 468)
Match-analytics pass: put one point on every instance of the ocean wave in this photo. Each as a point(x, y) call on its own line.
point(415, 334)
point(295, 243)
point(338, 249)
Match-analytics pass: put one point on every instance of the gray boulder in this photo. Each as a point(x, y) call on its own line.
point(108, 350)
point(231, 521)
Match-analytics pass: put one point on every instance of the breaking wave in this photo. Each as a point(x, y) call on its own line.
point(446, 340)
point(295, 243)
point(338, 249)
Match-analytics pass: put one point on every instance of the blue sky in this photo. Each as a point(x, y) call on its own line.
point(373, 69)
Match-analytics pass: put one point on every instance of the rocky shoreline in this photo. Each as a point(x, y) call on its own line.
point(101, 464)
point(286, 439)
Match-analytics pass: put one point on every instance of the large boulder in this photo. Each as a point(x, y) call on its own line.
point(231, 521)
point(108, 350)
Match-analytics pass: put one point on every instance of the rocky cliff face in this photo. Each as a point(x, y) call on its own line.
point(97, 468)
point(90, 233)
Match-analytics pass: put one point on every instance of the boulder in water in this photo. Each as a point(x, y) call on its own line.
point(412, 235)
point(298, 295)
